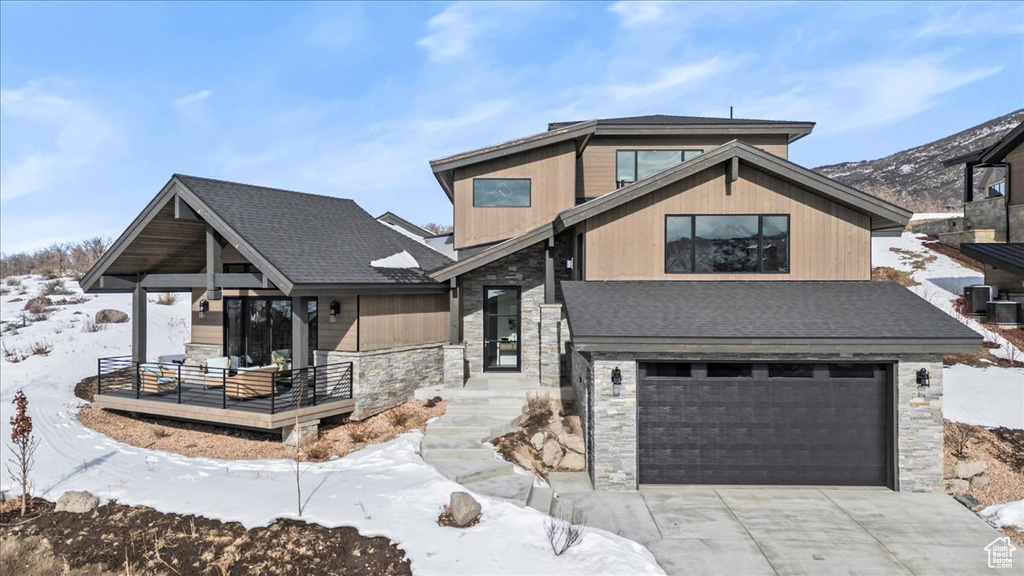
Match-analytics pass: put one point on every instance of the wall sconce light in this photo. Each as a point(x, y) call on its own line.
point(924, 380)
point(204, 307)
point(616, 382)
point(335, 310)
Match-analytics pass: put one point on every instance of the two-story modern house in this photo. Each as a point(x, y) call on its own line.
point(993, 223)
point(708, 301)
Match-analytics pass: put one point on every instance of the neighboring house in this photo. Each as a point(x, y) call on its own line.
point(441, 242)
point(708, 301)
point(993, 223)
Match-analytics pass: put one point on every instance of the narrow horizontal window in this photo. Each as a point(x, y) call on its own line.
point(633, 165)
point(668, 370)
point(851, 370)
point(791, 370)
point(501, 192)
point(729, 370)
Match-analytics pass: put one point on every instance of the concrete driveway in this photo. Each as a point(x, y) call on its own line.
point(789, 531)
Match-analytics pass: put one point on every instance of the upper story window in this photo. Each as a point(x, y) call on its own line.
point(726, 244)
point(245, 268)
point(633, 165)
point(501, 192)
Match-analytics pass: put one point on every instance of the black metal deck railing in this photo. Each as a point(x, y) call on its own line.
point(266, 390)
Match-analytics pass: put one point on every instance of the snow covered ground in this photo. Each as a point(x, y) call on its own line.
point(983, 396)
point(1008, 514)
point(385, 490)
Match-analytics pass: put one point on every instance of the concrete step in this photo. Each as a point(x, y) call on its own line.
point(480, 433)
point(449, 442)
point(570, 482)
point(540, 499)
point(514, 488)
point(463, 471)
point(498, 424)
point(509, 393)
point(434, 392)
point(467, 407)
point(480, 453)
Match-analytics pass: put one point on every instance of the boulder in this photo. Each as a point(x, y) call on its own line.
point(572, 461)
point(551, 453)
point(464, 509)
point(956, 486)
point(949, 471)
point(110, 316)
point(980, 481)
point(970, 469)
point(538, 441)
point(77, 502)
point(572, 442)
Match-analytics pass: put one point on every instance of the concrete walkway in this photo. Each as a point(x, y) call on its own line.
point(456, 443)
point(788, 531)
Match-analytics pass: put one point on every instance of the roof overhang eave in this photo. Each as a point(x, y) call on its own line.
point(769, 347)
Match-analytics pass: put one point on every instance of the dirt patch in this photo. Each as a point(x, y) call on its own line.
point(915, 260)
point(560, 427)
point(934, 245)
point(888, 274)
point(1002, 451)
point(209, 441)
point(137, 540)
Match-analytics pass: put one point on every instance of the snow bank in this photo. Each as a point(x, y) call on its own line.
point(401, 260)
point(985, 397)
point(384, 490)
point(1008, 514)
point(935, 215)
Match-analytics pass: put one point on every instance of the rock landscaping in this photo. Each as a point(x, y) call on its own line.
point(549, 439)
point(77, 502)
point(462, 511)
point(110, 316)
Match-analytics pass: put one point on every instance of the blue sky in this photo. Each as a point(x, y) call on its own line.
point(101, 103)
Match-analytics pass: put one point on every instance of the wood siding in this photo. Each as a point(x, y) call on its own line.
point(597, 164)
point(341, 334)
point(166, 246)
point(552, 173)
point(388, 321)
point(827, 241)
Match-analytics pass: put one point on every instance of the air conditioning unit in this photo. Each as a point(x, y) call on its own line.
point(977, 297)
point(1004, 313)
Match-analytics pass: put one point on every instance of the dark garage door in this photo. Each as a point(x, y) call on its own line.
point(795, 424)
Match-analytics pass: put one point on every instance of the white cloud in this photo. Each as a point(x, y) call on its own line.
point(867, 95)
point(676, 78)
point(638, 14)
point(452, 32)
point(192, 99)
point(973, 21)
point(48, 138)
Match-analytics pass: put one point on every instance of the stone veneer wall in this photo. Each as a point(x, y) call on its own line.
point(550, 345)
point(1017, 223)
point(986, 213)
point(383, 379)
point(918, 419)
point(526, 270)
point(580, 376)
point(198, 354)
point(454, 365)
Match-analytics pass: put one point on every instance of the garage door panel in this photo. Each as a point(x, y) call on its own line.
point(764, 430)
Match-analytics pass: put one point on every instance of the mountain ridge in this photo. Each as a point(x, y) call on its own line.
point(915, 178)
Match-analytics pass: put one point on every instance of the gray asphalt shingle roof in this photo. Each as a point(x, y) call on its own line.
point(313, 239)
point(670, 120)
point(1009, 257)
point(755, 310)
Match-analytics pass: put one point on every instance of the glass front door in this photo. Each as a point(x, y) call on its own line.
point(256, 329)
point(502, 328)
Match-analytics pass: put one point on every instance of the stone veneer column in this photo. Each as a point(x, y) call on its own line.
point(198, 354)
point(454, 366)
point(919, 425)
point(550, 341)
point(615, 426)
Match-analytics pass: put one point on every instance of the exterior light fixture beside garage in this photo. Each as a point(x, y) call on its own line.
point(616, 382)
point(204, 307)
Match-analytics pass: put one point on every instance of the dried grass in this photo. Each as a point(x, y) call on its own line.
point(888, 274)
point(166, 299)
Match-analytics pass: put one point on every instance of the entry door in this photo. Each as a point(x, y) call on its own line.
point(502, 323)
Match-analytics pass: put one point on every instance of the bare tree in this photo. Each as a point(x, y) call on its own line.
point(23, 447)
point(435, 228)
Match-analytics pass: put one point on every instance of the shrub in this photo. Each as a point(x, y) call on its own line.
point(159, 431)
point(42, 348)
point(538, 404)
point(12, 281)
point(319, 450)
point(166, 299)
point(91, 325)
point(358, 433)
point(959, 437)
point(398, 417)
point(13, 356)
point(40, 316)
point(563, 534)
point(55, 287)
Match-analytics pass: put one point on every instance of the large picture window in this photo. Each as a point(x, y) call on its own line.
point(501, 192)
point(633, 165)
point(726, 244)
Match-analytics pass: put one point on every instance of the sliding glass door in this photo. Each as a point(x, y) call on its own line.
point(502, 328)
point(255, 328)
